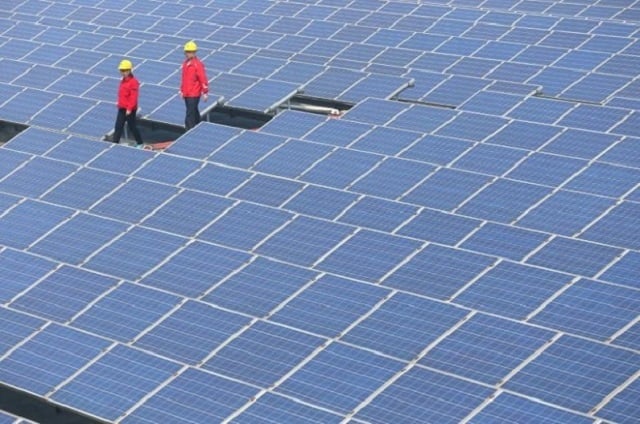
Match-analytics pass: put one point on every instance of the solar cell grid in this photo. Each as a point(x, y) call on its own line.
point(513, 205)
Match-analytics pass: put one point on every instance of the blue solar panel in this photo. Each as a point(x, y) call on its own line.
point(341, 168)
point(622, 272)
point(387, 141)
point(126, 311)
point(62, 295)
point(101, 389)
point(580, 143)
point(436, 149)
point(264, 96)
point(446, 189)
point(36, 177)
point(504, 200)
point(545, 169)
point(30, 368)
point(422, 119)
point(375, 111)
point(540, 110)
point(505, 241)
point(623, 404)
point(575, 256)
point(486, 348)
point(35, 141)
point(525, 135)
point(170, 217)
point(367, 255)
point(191, 332)
point(362, 373)
point(320, 202)
point(556, 80)
point(489, 159)
point(337, 132)
point(344, 300)
point(215, 179)
point(231, 229)
point(438, 271)
point(565, 212)
point(605, 180)
point(508, 408)
point(548, 378)
point(439, 227)
point(332, 82)
point(262, 410)
point(464, 205)
point(16, 327)
point(134, 200)
point(195, 269)
point(437, 398)
point(630, 125)
point(78, 238)
point(135, 253)
point(27, 222)
point(84, 188)
point(246, 149)
point(569, 311)
point(195, 397)
point(203, 140)
point(471, 126)
point(594, 118)
point(623, 153)
point(290, 244)
point(267, 190)
point(291, 159)
point(380, 86)
point(266, 351)
point(293, 124)
point(378, 214)
point(616, 228)
point(392, 178)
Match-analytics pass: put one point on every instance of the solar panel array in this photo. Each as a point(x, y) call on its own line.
point(460, 246)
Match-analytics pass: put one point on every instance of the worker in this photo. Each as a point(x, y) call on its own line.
point(127, 103)
point(193, 85)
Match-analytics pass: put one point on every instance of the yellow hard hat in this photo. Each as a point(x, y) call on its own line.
point(190, 46)
point(125, 65)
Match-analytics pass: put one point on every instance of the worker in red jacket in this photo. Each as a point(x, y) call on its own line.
point(193, 85)
point(127, 103)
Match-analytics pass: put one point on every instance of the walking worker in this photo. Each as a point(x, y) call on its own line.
point(193, 85)
point(127, 103)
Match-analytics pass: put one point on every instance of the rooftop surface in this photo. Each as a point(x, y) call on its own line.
point(460, 245)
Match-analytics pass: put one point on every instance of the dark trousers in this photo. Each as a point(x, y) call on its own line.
point(131, 123)
point(193, 114)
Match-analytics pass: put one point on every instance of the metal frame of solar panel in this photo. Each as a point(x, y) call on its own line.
point(460, 245)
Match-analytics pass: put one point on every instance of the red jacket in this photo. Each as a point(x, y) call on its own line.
point(128, 93)
point(194, 78)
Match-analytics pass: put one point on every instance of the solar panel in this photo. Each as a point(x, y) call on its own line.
point(576, 212)
point(99, 391)
point(457, 245)
point(435, 395)
point(279, 161)
point(572, 388)
point(264, 96)
point(364, 371)
point(319, 239)
point(379, 214)
point(575, 256)
point(508, 407)
point(446, 189)
point(201, 391)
